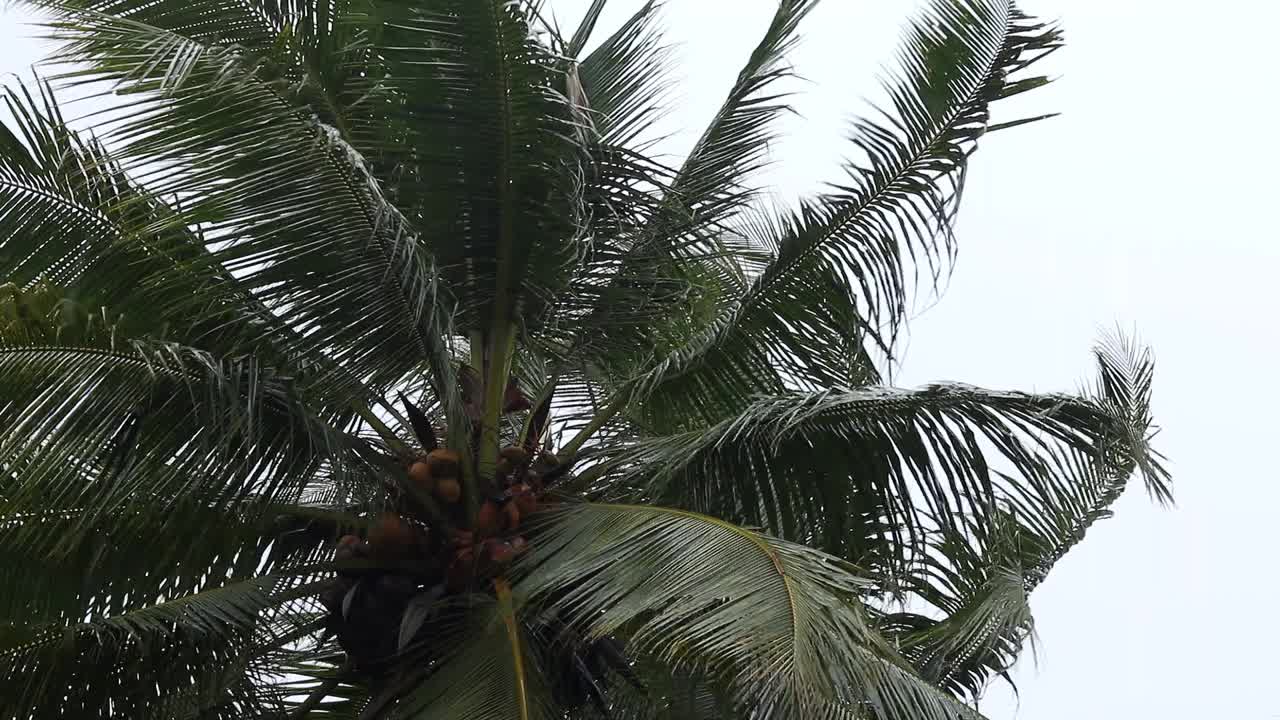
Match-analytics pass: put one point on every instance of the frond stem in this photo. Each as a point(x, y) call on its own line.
point(498, 369)
point(543, 397)
point(320, 693)
point(601, 419)
point(387, 434)
point(503, 590)
point(502, 332)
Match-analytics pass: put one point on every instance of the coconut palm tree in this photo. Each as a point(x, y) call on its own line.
point(366, 361)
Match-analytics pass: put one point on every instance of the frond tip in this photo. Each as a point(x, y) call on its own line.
point(1126, 374)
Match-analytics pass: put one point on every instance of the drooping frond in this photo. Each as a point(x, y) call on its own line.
point(960, 497)
point(105, 430)
point(73, 223)
point(953, 456)
point(803, 464)
point(133, 663)
point(1126, 373)
point(978, 616)
point(981, 593)
point(763, 616)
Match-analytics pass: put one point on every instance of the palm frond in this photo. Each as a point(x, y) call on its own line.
point(943, 493)
point(978, 616)
point(342, 699)
point(493, 178)
point(75, 230)
point(711, 183)
point(122, 433)
point(680, 255)
point(311, 44)
point(279, 194)
point(578, 41)
point(619, 88)
point(103, 667)
point(665, 696)
point(1126, 375)
point(837, 279)
point(494, 675)
point(761, 615)
point(625, 78)
point(980, 592)
point(805, 463)
point(131, 558)
point(254, 25)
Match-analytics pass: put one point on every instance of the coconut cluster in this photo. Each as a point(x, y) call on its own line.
point(402, 556)
point(397, 581)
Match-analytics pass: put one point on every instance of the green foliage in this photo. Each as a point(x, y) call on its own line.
point(215, 297)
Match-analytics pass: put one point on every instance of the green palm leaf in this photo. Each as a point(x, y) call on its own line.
point(70, 219)
point(313, 212)
point(308, 46)
point(490, 135)
point(144, 655)
point(680, 251)
point(76, 567)
point(837, 277)
point(763, 615)
point(494, 676)
point(790, 462)
point(982, 596)
point(123, 500)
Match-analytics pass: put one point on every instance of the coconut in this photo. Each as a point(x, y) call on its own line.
point(522, 496)
point(489, 519)
point(391, 533)
point(448, 489)
point(503, 469)
point(517, 456)
point(420, 474)
point(444, 463)
point(499, 551)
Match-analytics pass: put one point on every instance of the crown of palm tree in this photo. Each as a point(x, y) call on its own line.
point(365, 362)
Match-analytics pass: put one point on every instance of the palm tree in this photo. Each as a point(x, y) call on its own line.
point(365, 361)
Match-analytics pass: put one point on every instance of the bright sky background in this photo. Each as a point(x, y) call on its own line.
point(1144, 205)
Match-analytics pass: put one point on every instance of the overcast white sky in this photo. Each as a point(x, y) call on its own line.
point(1145, 204)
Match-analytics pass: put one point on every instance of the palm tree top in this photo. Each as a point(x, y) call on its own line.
point(365, 361)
